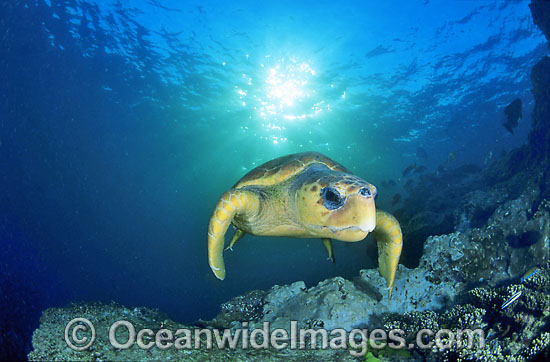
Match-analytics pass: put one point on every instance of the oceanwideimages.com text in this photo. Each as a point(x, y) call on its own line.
point(80, 335)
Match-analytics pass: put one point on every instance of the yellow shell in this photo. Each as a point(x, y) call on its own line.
point(281, 169)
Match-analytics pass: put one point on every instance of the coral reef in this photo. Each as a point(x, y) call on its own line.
point(340, 303)
point(478, 268)
point(519, 332)
point(49, 343)
point(460, 200)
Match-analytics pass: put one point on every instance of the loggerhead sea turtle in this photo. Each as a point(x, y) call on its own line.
point(304, 195)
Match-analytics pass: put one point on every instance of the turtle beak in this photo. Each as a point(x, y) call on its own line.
point(355, 220)
point(368, 216)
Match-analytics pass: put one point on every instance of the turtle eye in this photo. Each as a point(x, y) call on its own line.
point(332, 198)
point(365, 191)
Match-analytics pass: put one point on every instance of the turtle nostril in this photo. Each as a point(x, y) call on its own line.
point(365, 191)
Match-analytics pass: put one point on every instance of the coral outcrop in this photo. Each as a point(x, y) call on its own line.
point(50, 345)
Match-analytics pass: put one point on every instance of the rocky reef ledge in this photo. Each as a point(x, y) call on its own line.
point(463, 280)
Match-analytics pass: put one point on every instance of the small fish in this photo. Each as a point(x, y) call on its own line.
point(529, 273)
point(451, 157)
point(511, 300)
point(513, 114)
point(408, 169)
point(395, 199)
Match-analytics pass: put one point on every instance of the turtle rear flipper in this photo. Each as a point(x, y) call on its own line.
point(232, 202)
point(236, 237)
point(390, 241)
point(328, 245)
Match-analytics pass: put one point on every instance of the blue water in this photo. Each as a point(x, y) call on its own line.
point(122, 122)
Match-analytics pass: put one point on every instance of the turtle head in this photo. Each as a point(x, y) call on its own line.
point(339, 206)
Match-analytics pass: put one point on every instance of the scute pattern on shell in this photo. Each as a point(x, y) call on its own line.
point(281, 169)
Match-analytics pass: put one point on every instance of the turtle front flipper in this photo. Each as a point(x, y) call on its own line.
point(232, 203)
point(390, 241)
